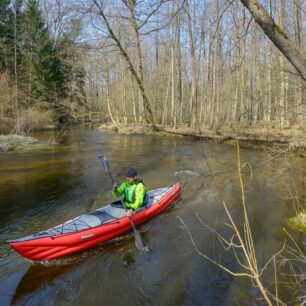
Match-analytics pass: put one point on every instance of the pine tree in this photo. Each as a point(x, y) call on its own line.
point(6, 36)
point(42, 74)
point(72, 70)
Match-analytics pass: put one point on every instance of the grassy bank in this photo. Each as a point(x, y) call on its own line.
point(19, 143)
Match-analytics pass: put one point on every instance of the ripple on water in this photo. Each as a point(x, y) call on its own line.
point(189, 172)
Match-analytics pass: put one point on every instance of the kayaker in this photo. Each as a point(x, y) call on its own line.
point(134, 190)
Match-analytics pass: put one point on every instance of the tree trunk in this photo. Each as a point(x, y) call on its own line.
point(193, 97)
point(173, 104)
point(300, 103)
point(156, 73)
point(268, 99)
point(138, 58)
point(295, 55)
point(108, 96)
point(164, 118)
point(282, 74)
point(133, 99)
point(30, 79)
point(243, 102)
point(15, 61)
point(179, 66)
point(123, 92)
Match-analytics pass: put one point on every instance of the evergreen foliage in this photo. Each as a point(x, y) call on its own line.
point(69, 55)
point(41, 69)
point(42, 75)
point(6, 35)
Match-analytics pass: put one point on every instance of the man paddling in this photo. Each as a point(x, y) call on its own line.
point(134, 190)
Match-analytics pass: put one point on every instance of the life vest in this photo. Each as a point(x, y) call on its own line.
point(130, 194)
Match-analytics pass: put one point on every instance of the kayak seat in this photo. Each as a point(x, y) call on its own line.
point(150, 199)
point(103, 216)
point(117, 204)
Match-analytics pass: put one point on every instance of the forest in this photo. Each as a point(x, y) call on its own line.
point(234, 222)
point(183, 63)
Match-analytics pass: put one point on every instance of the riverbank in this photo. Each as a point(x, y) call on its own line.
point(19, 143)
point(288, 139)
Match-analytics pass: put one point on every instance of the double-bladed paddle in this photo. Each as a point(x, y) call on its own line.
point(139, 242)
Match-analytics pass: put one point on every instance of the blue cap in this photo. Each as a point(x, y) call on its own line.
point(131, 173)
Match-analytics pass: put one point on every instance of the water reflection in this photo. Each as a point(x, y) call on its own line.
point(38, 276)
point(54, 273)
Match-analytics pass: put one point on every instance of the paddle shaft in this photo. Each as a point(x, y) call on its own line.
point(105, 164)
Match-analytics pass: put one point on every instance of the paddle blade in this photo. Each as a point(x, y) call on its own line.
point(140, 243)
point(104, 162)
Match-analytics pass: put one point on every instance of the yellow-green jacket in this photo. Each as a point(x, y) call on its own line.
point(134, 194)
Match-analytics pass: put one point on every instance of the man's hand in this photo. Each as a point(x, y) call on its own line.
point(129, 213)
point(115, 186)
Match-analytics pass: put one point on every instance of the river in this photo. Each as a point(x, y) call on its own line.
point(41, 189)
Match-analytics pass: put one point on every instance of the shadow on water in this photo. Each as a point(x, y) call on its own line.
point(40, 275)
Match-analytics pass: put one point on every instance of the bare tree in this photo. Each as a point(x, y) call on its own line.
point(194, 91)
point(291, 51)
point(16, 10)
point(148, 114)
point(131, 5)
point(210, 66)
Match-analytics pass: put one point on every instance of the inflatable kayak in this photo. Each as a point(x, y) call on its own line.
point(91, 229)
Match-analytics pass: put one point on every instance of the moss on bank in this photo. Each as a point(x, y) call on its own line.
point(19, 143)
point(299, 222)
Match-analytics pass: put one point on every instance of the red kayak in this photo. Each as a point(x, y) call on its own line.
point(88, 230)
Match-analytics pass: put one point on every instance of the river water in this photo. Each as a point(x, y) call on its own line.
point(44, 188)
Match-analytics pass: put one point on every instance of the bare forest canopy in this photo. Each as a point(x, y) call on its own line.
point(195, 63)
